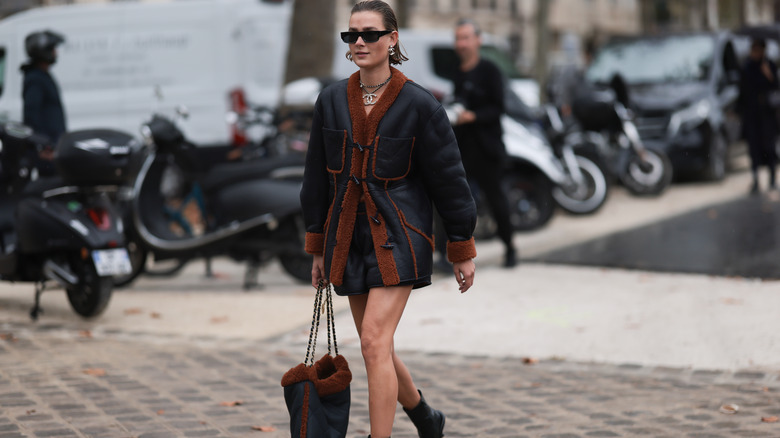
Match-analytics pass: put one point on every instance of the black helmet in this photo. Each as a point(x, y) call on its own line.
point(40, 46)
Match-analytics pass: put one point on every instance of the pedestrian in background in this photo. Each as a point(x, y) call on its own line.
point(381, 152)
point(758, 111)
point(479, 88)
point(42, 105)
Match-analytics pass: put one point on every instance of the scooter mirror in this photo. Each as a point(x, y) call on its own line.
point(146, 134)
point(182, 111)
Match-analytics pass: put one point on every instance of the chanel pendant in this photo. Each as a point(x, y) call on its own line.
point(369, 99)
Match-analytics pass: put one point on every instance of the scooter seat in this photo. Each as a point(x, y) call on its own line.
point(226, 174)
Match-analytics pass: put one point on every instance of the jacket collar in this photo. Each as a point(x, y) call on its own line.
point(364, 127)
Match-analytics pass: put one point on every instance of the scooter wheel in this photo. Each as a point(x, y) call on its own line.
point(590, 196)
point(650, 177)
point(91, 296)
point(299, 267)
point(531, 204)
point(297, 263)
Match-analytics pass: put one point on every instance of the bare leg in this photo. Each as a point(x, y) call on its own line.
point(407, 390)
point(376, 317)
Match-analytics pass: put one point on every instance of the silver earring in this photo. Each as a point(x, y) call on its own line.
point(391, 50)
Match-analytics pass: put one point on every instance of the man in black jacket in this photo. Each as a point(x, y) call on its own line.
point(43, 110)
point(479, 88)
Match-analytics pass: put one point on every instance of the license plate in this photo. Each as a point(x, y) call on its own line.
point(110, 262)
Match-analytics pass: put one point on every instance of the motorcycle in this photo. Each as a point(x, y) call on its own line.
point(607, 126)
point(578, 183)
point(64, 229)
point(244, 210)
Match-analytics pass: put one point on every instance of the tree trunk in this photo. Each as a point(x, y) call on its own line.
point(402, 13)
point(311, 39)
point(542, 46)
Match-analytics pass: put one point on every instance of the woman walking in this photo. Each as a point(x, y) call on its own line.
point(381, 152)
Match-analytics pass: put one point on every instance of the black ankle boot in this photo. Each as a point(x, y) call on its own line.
point(428, 421)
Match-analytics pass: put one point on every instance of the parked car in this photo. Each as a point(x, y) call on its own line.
point(683, 89)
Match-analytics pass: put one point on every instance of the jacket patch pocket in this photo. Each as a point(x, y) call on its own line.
point(393, 157)
point(335, 142)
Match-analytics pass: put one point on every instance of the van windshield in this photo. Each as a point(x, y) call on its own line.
point(680, 58)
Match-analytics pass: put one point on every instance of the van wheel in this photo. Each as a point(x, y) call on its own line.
point(717, 160)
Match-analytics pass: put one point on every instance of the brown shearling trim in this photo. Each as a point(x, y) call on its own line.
point(364, 127)
point(299, 373)
point(332, 375)
point(403, 221)
point(330, 212)
point(409, 239)
point(305, 411)
point(408, 166)
point(315, 243)
point(346, 225)
point(420, 232)
point(461, 251)
point(384, 256)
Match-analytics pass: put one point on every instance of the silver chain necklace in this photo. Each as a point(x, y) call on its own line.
point(369, 98)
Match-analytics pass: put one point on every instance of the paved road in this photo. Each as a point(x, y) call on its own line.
point(621, 353)
point(60, 383)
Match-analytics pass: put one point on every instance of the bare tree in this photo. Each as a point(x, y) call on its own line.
point(311, 39)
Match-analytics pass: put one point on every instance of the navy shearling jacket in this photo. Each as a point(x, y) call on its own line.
point(399, 160)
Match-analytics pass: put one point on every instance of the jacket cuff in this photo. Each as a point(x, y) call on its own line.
point(315, 243)
point(461, 251)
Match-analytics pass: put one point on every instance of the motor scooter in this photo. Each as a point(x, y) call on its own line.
point(607, 126)
point(245, 210)
point(64, 229)
point(543, 170)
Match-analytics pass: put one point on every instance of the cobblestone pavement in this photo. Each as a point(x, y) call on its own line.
point(58, 382)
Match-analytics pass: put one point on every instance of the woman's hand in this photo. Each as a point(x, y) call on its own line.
point(318, 271)
point(464, 274)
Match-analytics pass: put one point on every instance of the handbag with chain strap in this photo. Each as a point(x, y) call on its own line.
point(317, 393)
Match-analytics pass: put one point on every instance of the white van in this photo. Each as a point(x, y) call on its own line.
point(432, 60)
point(121, 61)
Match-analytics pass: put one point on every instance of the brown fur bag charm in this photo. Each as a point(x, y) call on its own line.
point(317, 393)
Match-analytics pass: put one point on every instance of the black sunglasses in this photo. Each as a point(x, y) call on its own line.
point(369, 36)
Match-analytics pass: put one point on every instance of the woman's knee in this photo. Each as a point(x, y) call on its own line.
point(375, 347)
